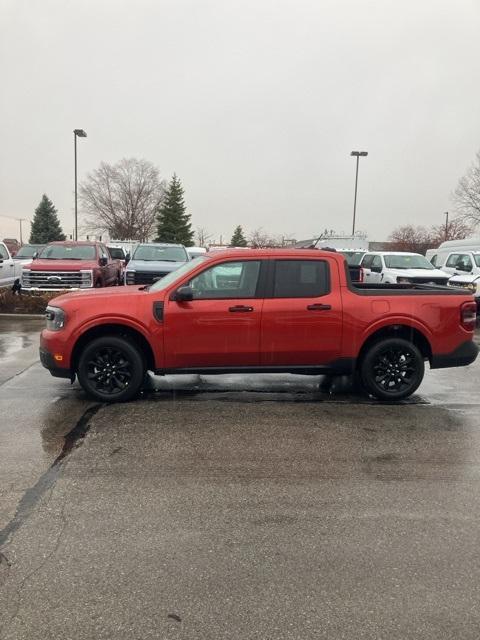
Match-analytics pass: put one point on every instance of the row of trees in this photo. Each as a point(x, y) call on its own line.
point(129, 200)
point(418, 239)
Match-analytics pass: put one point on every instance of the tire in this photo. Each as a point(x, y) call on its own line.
point(392, 369)
point(111, 369)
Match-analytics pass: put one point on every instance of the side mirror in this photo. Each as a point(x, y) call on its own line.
point(1, 259)
point(184, 294)
point(103, 261)
point(127, 258)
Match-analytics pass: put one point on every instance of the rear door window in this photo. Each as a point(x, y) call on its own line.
point(301, 279)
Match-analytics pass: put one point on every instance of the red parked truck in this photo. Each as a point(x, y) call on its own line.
point(72, 265)
point(259, 311)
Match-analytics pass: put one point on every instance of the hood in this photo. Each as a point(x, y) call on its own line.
point(466, 279)
point(153, 265)
point(78, 295)
point(419, 273)
point(62, 265)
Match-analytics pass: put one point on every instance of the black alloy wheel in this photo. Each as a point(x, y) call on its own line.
point(392, 369)
point(111, 369)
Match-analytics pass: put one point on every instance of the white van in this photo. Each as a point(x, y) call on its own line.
point(438, 257)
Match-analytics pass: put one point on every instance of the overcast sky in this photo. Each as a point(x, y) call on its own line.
point(256, 104)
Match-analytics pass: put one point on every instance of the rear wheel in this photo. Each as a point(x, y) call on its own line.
point(111, 369)
point(392, 369)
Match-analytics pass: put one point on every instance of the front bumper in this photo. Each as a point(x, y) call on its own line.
point(47, 289)
point(463, 355)
point(49, 363)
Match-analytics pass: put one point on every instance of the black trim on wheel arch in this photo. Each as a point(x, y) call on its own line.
point(463, 355)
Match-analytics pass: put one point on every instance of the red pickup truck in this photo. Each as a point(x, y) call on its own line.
point(258, 311)
point(72, 265)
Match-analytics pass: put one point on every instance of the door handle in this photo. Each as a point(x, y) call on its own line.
point(240, 308)
point(319, 307)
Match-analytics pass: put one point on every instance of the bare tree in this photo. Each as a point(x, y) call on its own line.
point(411, 238)
point(418, 239)
point(456, 229)
point(202, 237)
point(122, 198)
point(260, 239)
point(467, 194)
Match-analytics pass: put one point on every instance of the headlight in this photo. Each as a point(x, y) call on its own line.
point(86, 278)
point(55, 318)
point(402, 280)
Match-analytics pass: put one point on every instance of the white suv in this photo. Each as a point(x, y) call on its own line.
point(391, 267)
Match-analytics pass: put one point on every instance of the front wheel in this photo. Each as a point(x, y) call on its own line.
point(392, 369)
point(111, 369)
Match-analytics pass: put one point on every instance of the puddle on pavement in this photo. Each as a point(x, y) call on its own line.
point(11, 344)
point(266, 388)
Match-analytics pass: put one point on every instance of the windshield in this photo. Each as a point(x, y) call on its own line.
point(68, 252)
point(353, 258)
point(152, 253)
point(162, 284)
point(28, 250)
point(406, 261)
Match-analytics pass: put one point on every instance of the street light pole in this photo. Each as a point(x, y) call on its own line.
point(81, 134)
point(20, 220)
point(446, 225)
point(357, 154)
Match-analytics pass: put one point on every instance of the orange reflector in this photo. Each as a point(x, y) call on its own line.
point(58, 357)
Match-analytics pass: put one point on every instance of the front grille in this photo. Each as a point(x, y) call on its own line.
point(146, 277)
point(421, 280)
point(56, 279)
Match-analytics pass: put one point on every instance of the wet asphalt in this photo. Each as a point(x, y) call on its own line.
point(236, 508)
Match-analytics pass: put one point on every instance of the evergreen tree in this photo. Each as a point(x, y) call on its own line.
point(238, 239)
point(46, 225)
point(173, 221)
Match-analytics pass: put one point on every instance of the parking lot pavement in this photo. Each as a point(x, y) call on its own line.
point(213, 517)
point(235, 508)
point(18, 344)
point(35, 415)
